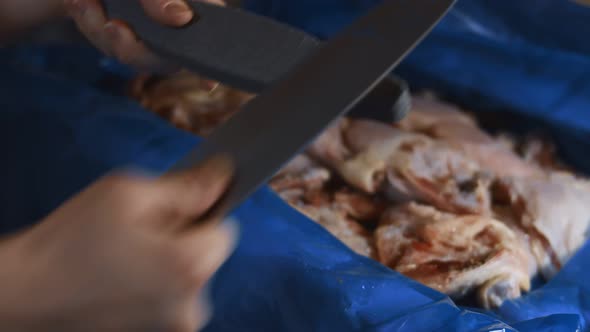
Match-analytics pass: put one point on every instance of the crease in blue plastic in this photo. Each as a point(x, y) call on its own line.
point(64, 121)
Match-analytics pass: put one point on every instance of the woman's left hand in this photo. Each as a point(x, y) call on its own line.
point(115, 38)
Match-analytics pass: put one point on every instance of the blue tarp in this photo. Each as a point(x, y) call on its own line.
point(64, 121)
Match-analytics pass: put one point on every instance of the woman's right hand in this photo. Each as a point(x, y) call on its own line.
point(125, 254)
point(116, 39)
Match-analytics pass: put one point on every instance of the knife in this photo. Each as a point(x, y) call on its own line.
point(246, 51)
point(292, 111)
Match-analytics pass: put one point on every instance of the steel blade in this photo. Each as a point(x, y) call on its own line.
point(279, 123)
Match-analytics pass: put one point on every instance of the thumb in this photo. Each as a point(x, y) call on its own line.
point(172, 12)
point(169, 12)
point(193, 192)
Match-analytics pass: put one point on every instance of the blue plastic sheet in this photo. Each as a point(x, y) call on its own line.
point(64, 121)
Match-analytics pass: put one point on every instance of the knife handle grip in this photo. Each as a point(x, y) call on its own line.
point(225, 44)
point(213, 29)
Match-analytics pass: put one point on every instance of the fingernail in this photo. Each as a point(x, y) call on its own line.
point(179, 10)
point(112, 31)
point(75, 7)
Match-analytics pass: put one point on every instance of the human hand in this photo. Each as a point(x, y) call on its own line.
point(17, 16)
point(115, 38)
point(123, 255)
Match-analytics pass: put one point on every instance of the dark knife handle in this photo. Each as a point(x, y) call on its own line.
point(233, 46)
point(206, 48)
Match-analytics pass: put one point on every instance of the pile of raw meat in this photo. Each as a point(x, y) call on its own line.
point(433, 197)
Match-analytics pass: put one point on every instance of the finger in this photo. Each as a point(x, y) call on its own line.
point(172, 12)
point(189, 315)
point(207, 247)
point(193, 192)
point(204, 314)
point(114, 38)
point(90, 19)
point(127, 48)
point(216, 2)
point(168, 12)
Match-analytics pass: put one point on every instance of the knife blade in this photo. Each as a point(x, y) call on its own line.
point(280, 122)
point(246, 51)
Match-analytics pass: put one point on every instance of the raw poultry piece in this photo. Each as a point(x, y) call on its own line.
point(188, 101)
point(342, 227)
point(542, 152)
point(330, 147)
point(454, 254)
point(493, 212)
point(304, 182)
point(449, 124)
point(375, 157)
point(299, 179)
point(554, 211)
point(306, 186)
point(359, 206)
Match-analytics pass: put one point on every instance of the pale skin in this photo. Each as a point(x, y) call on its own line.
point(130, 252)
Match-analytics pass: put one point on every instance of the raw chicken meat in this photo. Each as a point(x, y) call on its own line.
point(345, 229)
point(433, 197)
point(303, 181)
point(373, 147)
point(376, 157)
point(330, 148)
point(443, 178)
point(301, 177)
point(188, 101)
point(454, 254)
point(541, 152)
point(359, 206)
point(448, 124)
point(554, 211)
